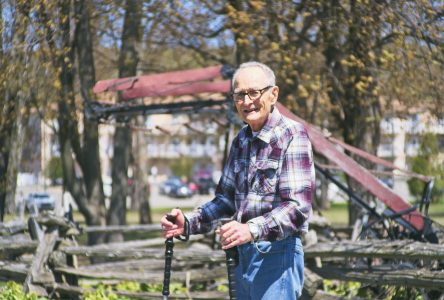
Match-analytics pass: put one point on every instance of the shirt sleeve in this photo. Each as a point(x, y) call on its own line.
point(296, 184)
point(204, 218)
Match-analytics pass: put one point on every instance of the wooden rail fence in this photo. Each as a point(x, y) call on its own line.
point(54, 263)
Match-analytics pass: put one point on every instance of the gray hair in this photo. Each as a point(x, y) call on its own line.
point(254, 64)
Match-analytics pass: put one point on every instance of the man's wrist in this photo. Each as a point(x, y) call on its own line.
point(254, 230)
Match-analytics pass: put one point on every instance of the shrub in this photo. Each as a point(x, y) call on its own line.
point(13, 291)
point(426, 162)
point(54, 169)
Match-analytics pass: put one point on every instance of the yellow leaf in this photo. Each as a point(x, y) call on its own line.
point(57, 84)
point(302, 91)
point(274, 46)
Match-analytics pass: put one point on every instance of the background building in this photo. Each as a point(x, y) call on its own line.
point(400, 141)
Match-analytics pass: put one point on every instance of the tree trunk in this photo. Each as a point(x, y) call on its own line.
point(3, 130)
point(128, 60)
point(358, 111)
point(15, 152)
point(92, 177)
point(17, 115)
point(5, 135)
point(140, 184)
point(72, 156)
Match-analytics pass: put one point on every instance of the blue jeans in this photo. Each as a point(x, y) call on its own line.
point(270, 270)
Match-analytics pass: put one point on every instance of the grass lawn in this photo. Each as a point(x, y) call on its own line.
point(132, 217)
point(338, 215)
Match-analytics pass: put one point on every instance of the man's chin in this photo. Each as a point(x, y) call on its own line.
point(250, 120)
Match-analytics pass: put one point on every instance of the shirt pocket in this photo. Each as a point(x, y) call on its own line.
point(265, 179)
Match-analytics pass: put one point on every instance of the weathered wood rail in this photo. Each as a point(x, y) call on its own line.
point(386, 275)
point(44, 265)
point(400, 249)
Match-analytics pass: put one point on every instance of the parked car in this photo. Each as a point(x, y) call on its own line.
point(40, 201)
point(175, 187)
point(205, 186)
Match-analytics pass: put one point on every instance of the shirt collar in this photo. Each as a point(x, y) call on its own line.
point(266, 133)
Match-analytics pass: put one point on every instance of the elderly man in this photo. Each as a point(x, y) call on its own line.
point(266, 188)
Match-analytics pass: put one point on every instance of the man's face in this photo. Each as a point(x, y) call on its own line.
point(254, 112)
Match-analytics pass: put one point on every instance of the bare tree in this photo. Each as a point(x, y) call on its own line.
point(90, 159)
point(15, 98)
point(128, 60)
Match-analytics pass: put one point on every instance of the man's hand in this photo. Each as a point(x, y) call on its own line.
point(234, 234)
point(173, 229)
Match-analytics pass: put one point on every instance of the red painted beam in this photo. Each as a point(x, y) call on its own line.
point(161, 90)
point(175, 77)
point(357, 172)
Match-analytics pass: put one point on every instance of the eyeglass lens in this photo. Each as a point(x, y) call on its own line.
point(252, 94)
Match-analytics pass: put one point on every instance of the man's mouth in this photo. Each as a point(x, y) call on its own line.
point(247, 111)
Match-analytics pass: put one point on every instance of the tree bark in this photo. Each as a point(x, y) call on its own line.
point(15, 115)
point(72, 154)
point(91, 159)
point(3, 131)
point(128, 60)
point(358, 111)
point(140, 183)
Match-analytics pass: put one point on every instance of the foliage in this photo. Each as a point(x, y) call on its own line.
point(107, 292)
point(182, 167)
point(174, 288)
point(54, 169)
point(102, 293)
point(222, 288)
point(426, 163)
point(340, 288)
point(13, 291)
point(351, 289)
point(340, 65)
point(130, 286)
point(402, 293)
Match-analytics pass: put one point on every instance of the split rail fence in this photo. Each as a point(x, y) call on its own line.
point(44, 256)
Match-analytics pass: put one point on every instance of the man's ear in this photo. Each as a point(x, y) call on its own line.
point(274, 94)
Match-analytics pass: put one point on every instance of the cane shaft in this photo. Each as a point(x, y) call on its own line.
point(231, 260)
point(169, 245)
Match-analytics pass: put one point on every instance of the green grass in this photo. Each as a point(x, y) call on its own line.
point(337, 214)
point(436, 212)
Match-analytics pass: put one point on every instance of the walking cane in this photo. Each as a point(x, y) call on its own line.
point(169, 245)
point(232, 260)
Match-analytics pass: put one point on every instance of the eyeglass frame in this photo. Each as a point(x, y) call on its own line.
point(261, 91)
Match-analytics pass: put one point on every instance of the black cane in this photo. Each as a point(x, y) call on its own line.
point(232, 259)
point(169, 245)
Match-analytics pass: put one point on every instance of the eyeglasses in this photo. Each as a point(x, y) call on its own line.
point(252, 94)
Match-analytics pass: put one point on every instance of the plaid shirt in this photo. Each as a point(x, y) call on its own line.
point(267, 181)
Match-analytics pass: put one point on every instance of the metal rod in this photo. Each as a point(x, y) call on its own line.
point(386, 214)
